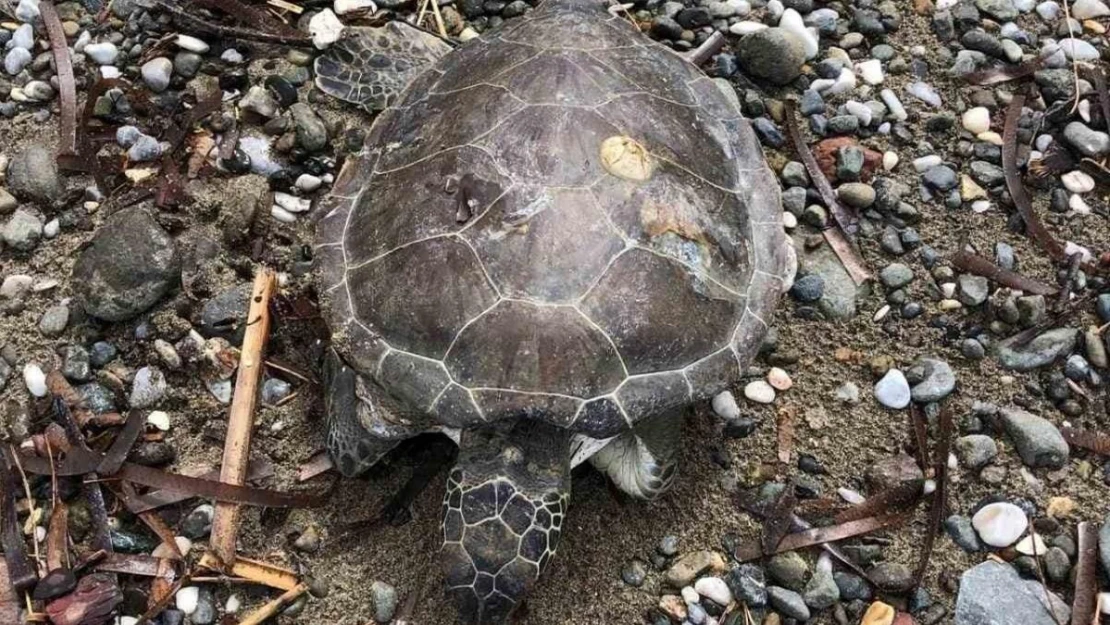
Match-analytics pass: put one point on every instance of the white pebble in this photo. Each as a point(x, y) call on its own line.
point(233, 604)
point(844, 83)
point(725, 406)
point(1074, 248)
point(871, 71)
point(343, 7)
point(990, 137)
point(50, 230)
point(192, 44)
point(1104, 601)
point(689, 595)
point(292, 203)
point(1078, 182)
point(126, 620)
point(894, 105)
point(924, 92)
point(745, 28)
point(1078, 50)
point(881, 313)
point(789, 221)
point(760, 392)
point(282, 215)
point(850, 496)
point(1031, 545)
point(779, 379)
point(35, 379)
point(976, 120)
point(715, 589)
point(980, 206)
point(925, 163)
point(890, 160)
point(893, 391)
point(1085, 110)
point(186, 599)
point(308, 183)
point(1087, 9)
point(184, 545)
point(861, 111)
point(159, 419)
point(1000, 524)
point(1080, 207)
point(24, 38)
point(792, 23)
point(325, 29)
point(104, 53)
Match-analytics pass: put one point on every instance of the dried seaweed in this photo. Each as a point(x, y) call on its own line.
point(1084, 607)
point(1021, 199)
point(996, 75)
point(968, 262)
point(898, 498)
point(126, 438)
point(712, 45)
point(776, 524)
point(1098, 77)
point(847, 220)
point(1056, 161)
point(821, 535)
point(1087, 439)
point(67, 90)
point(20, 572)
point(232, 32)
point(847, 255)
point(250, 16)
point(920, 436)
point(940, 495)
point(57, 537)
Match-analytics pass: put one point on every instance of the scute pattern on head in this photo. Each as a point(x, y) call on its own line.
point(482, 231)
point(499, 546)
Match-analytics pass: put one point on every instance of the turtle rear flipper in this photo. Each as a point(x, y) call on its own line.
point(502, 514)
point(369, 66)
point(643, 462)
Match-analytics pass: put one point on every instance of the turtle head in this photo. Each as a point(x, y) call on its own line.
point(502, 515)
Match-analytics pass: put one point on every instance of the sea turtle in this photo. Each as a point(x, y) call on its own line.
point(555, 238)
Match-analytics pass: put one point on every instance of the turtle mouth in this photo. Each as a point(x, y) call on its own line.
point(496, 541)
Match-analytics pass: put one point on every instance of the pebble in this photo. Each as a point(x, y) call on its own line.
point(148, 388)
point(34, 379)
point(746, 582)
point(16, 59)
point(779, 379)
point(1041, 351)
point(186, 599)
point(1000, 524)
point(788, 602)
point(894, 105)
point(343, 7)
point(1031, 545)
point(821, 591)
point(1089, 142)
point(1078, 50)
point(104, 53)
point(54, 321)
point(715, 589)
point(788, 569)
point(156, 73)
point(961, 531)
point(325, 29)
point(791, 22)
point(933, 380)
point(994, 592)
point(871, 71)
point(1077, 181)
point(976, 120)
point(634, 573)
point(33, 175)
point(1087, 9)
point(976, 450)
point(725, 406)
point(924, 92)
point(1038, 441)
point(772, 54)
point(384, 598)
point(896, 276)
point(686, 568)
point(760, 392)
point(192, 44)
point(893, 391)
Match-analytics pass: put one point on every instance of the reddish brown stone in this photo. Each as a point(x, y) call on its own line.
point(92, 603)
point(825, 153)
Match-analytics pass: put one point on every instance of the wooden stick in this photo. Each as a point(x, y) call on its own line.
point(277, 605)
point(225, 523)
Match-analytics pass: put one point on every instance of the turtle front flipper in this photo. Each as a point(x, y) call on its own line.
point(352, 446)
point(369, 67)
point(502, 515)
point(643, 462)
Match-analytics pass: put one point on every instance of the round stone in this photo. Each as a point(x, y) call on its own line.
point(1000, 524)
point(976, 120)
point(893, 391)
point(760, 392)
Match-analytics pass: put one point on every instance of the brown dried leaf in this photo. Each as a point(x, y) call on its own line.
point(777, 523)
point(1087, 439)
point(785, 431)
point(1084, 608)
point(906, 494)
point(973, 263)
point(822, 535)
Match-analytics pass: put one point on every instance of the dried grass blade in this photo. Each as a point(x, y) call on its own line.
point(996, 75)
point(57, 537)
point(1084, 607)
point(777, 523)
point(1087, 439)
point(820, 535)
point(785, 433)
point(844, 251)
point(1021, 199)
point(905, 495)
point(848, 221)
point(67, 90)
point(940, 495)
point(973, 263)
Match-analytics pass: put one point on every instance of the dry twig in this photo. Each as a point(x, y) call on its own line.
point(225, 524)
point(1084, 607)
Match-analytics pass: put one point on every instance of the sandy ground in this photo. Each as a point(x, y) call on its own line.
point(604, 530)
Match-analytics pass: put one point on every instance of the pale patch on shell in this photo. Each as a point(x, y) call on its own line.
point(625, 158)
